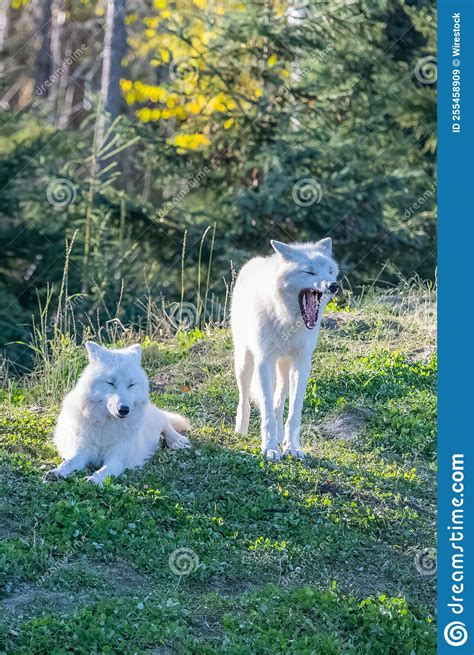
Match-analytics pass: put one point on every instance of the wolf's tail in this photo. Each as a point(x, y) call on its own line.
point(179, 423)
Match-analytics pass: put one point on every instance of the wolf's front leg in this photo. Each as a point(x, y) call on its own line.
point(112, 466)
point(67, 467)
point(265, 376)
point(299, 374)
point(280, 395)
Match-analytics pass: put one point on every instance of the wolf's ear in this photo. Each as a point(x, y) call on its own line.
point(325, 246)
point(94, 351)
point(287, 252)
point(136, 351)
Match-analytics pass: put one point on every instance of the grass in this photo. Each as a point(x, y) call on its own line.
point(214, 550)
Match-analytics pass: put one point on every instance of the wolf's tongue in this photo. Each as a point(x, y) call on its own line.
point(310, 308)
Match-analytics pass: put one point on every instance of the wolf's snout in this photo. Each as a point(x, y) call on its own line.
point(333, 287)
point(123, 410)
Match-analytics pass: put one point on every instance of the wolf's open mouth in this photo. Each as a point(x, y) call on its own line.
point(310, 300)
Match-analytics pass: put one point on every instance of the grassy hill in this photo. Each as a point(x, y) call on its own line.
point(214, 550)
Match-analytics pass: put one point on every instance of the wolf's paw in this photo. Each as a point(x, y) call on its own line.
point(297, 453)
point(175, 443)
point(95, 479)
point(52, 476)
point(271, 455)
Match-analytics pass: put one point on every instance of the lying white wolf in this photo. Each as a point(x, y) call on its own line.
point(108, 421)
point(277, 305)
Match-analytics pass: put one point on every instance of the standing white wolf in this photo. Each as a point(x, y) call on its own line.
point(277, 305)
point(108, 421)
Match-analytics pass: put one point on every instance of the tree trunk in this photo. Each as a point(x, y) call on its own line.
point(43, 60)
point(115, 43)
point(4, 11)
point(57, 20)
point(114, 51)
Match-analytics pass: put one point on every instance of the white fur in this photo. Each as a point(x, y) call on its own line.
point(272, 345)
point(89, 428)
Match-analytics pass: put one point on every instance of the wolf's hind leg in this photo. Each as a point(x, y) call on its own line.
point(265, 375)
point(175, 440)
point(280, 395)
point(243, 373)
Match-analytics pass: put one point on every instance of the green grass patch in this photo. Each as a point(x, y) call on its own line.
point(293, 557)
point(274, 620)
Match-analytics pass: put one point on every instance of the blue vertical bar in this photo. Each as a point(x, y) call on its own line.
point(456, 327)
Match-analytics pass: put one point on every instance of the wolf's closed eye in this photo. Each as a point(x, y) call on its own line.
point(111, 383)
point(131, 385)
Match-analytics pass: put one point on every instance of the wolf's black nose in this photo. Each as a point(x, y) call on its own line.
point(334, 287)
point(123, 410)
